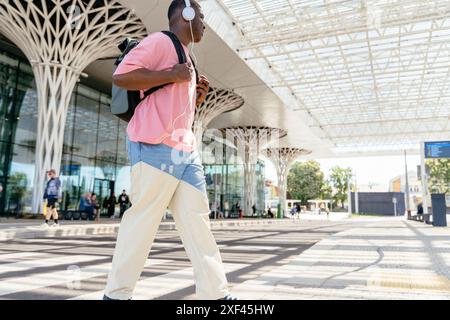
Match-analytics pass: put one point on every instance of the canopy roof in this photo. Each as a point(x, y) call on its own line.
point(369, 75)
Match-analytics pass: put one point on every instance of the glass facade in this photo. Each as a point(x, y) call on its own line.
point(224, 172)
point(94, 152)
point(94, 156)
point(18, 126)
point(225, 187)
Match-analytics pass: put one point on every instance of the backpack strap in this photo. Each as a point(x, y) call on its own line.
point(181, 59)
point(178, 46)
point(180, 51)
point(197, 79)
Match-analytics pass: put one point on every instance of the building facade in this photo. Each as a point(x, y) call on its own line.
point(51, 116)
point(94, 152)
point(225, 187)
point(398, 184)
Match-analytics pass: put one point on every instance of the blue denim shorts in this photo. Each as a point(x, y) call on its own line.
point(185, 166)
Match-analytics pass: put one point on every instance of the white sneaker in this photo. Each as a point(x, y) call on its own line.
point(45, 225)
point(55, 225)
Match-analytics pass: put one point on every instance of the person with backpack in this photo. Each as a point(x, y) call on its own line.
point(52, 194)
point(166, 169)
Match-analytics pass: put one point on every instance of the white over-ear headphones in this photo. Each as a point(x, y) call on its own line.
point(188, 12)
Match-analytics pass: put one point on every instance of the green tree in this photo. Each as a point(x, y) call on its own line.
point(326, 192)
point(305, 181)
point(439, 180)
point(339, 178)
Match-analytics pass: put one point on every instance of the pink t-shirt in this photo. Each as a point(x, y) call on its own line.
point(167, 115)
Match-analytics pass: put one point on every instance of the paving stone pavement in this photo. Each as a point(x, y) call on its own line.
point(389, 258)
point(76, 267)
point(32, 229)
point(362, 258)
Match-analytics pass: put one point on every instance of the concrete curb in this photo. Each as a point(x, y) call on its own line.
point(31, 232)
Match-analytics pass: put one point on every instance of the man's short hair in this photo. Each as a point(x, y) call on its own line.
point(178, 4)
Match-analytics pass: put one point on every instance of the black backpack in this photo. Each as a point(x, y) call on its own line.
point(124, 102)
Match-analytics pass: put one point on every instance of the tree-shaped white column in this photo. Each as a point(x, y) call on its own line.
point(217, 101)
point(61, 38)
point(283, 158)
point(250, 142)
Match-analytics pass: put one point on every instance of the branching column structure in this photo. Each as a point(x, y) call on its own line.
point(217, 101)
point(61, 38)
point(250, 142)
point(283, 158)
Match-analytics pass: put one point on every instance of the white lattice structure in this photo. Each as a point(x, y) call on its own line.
point(367, 75)
point(283, 158)
point(217, 101)
point(61, 38)
point(250, 142)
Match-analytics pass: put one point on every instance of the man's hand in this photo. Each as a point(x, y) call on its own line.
point(202, 90)
point(183, 72)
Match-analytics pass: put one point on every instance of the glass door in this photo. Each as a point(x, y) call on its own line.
point(103, 189)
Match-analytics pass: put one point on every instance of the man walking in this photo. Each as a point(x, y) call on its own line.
point(52, 193)
point(124, 200)
point(166, 170)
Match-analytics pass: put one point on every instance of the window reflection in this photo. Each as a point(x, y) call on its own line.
point(94, 155)
point(225, 186)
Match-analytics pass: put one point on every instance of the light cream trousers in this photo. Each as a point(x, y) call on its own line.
point(152, 192)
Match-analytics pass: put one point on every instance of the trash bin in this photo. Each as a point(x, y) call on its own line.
point(280, 214)
point(439, 210)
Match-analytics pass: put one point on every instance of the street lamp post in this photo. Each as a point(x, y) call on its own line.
point(423, 178)
point(349, 196)
point(356, 197)
point(408, 209)
point(394, 201)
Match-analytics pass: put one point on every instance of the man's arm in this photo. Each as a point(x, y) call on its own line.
point(142, 79)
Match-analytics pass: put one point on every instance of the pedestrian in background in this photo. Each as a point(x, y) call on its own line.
point(86, 205)
point(293, 211)
point(420, 208)
point(95, 212)
point(238, 209)
point(52, 194)
point(105, 206)
point(270, 213)
point(124, 200)
point(112, 205)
